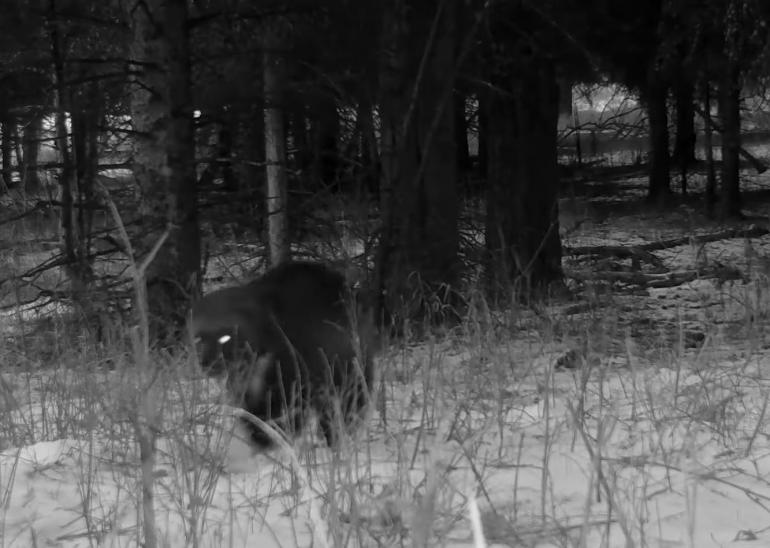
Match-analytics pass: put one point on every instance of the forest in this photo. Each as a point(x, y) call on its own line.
point(555, 214)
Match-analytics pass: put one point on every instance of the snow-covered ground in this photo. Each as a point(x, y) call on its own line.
point(635, 419)
point(620, 452)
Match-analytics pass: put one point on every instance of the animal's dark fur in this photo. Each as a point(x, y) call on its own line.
point(285, 342)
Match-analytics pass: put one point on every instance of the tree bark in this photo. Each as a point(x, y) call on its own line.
point(84, 168)
point(437, 215)
point(659, 177)
point(729, 98)
point(419, 241)
point(275, 149)
point(730, 117)
point(684, 142)
point(461, 132)
point(164, 159)
point(483, 97)
point(397, 141)
point(522, 226)
point(708, 143)
point(6, 156)
point(87, 164)
point(31, 151)
point(77, 266)
point(368, 155)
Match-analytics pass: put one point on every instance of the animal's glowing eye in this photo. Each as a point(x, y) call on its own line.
point(224, 339)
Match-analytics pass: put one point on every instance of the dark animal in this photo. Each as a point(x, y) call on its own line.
point(285, 343)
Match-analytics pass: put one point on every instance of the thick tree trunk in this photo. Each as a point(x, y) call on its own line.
point(436, 244)
point(419, 243)
point(275, 150)
point(522, 227)
point(184, 257)
point(730, 117)
point(397, 144)
point(660, 161)
point(164, 159)
point(500, 132)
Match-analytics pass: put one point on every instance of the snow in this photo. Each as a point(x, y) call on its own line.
point(653, 435)
point(684, 461)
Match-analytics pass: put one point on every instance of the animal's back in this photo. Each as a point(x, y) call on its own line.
point(311, 304)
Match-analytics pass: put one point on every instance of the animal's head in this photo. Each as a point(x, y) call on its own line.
point(227, 327)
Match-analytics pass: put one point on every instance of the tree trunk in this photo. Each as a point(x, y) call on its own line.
point(566, 105)
point(67, 200)
point(461, 133)
point(164, 159)
point(578, 141)
point(500, 132)
point(419, 243)
point(83, 183)
point(6, 147)
point(31, 150)
point(708, 143)
point(183, 260)
point(397, 145)
point(730, 117)
point(483, 97)
point(368, 154)
point(17, 152)
point(684, 143)
point(657, 109)
point(437, 204)
point(522, 226)
point(464, 15)
point(275, 149)
point(77, 266)
point(85, 118)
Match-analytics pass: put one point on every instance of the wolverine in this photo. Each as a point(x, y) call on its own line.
point(286, 346)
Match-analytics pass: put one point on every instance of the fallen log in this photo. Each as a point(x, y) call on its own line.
point(639, 249)
point(657, 280)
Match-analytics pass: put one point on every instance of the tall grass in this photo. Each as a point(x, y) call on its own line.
point(517, 426)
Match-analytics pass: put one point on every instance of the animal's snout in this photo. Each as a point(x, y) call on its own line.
point(210, 357)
